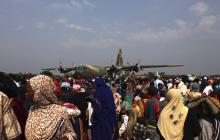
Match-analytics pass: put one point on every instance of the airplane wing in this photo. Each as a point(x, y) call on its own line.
point(49, 69)
point(137, 67)
point(157, 66)
point(61, 69)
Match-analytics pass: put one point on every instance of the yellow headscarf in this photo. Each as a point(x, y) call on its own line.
point(173, 116)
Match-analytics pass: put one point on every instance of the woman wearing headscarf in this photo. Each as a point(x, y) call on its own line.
point(47, 119)
point(176, 121)
point(133, 115)
point(104, 115)
point(9, 125)
point(208, 112)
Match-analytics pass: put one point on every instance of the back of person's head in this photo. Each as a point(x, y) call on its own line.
point(7, 86)
point(195, 87)
point(99, 82)
point(205, 111)
point(184, 78)
point(117, 81)
point(196, 80)
point(153, 91)
point(160, 86)
point(124, 86)
point(113, 84)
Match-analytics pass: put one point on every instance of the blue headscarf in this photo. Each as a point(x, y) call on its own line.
point(99, 82)
point(104, 95)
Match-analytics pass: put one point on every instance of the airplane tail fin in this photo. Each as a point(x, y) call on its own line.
point(119, 62)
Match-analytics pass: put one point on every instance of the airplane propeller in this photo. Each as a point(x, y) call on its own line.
point(60, 68)
point(137, 67)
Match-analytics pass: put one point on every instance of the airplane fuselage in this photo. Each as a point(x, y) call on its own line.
point(91, 71)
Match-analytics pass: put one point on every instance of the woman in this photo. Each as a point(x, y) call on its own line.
point(138, 106)
point(9, 125)
point(104, 115)
point(208, 111)
point(17, 105)
point(132, 115)
point(177, 122)
point(47, 119)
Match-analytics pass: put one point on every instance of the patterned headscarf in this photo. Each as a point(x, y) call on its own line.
point(43, 87)
point(46, 120)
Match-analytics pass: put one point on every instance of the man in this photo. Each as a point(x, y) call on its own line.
point(157, 82)
point(182, 85)
point(9, 126)
point(139, 92)
point(151, 111)
point(208, 89)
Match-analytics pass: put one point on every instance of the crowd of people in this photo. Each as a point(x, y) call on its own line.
point(41, 107)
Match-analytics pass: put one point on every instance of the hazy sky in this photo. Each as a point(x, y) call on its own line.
point(37, 34)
